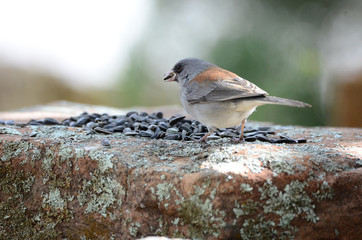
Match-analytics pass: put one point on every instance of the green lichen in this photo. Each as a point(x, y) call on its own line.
point(286, 205)
point(54, 208)
point(100, 193)
point(35, 156)
point(11, 149)
point(65, 152)
point(258, 228)
point(54, 132)
point(195, 211)
point(104, 159)
point(324, 192)
point(164, 191)
point(56, 172)
point(201, 218)
point(246, 208)
point(327, 164)
point(15, 221)
point(289, 203)
point(133, 229)
point(186, 151)
point(48, 160)
point(12, 131)
point(198, 213)
point(175, 221)
point(54, 211)
point(323, 159)
point(78, 153)
point(54, 200)
point(168, 152)
point(245, 187)
point(282, 163)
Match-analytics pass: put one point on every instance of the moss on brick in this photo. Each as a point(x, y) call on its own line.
point(15, 221)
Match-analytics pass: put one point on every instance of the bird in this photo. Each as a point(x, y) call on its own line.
point(217, 97)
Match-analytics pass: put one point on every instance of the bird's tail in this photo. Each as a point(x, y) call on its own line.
point(284, 101)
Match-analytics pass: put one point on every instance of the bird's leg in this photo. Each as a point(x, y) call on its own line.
point(203, 139)
point(241, 138)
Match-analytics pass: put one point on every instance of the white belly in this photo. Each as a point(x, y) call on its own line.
point(221, 114)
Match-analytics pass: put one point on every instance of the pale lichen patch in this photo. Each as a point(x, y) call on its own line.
point(133, 229)
point(200, 216)
point(290, 203)
point(65, 152)
point(245, 187)
point(54, 200)
point(11, 149)
point(104, 159)
point(164, 191)
point(100, 193)
point(12, 131)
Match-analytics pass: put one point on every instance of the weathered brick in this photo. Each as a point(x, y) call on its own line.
point(64, 183)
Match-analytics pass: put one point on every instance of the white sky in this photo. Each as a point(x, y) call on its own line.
point(83, 41)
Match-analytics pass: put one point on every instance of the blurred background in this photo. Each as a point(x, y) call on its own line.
point(115, 53)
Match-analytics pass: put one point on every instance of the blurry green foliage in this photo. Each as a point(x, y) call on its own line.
point(133, 86)
point(273, 44)
point(139, 85)
point(260, 62)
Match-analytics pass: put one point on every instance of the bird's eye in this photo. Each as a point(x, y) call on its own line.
point(178, 68)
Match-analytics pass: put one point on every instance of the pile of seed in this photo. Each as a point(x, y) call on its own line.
point(155, 126)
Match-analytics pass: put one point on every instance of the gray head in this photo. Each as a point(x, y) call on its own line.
point(186, 69)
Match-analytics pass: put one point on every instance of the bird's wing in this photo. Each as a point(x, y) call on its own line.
point(221, 87)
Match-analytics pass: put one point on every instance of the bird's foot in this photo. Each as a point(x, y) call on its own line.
point(237, 140)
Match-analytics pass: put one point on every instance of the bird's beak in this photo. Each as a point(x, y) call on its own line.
point(170, 76)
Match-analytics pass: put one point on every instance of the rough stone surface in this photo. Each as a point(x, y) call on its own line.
point(60, 183)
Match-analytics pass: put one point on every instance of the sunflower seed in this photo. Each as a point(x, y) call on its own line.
point(147, 133)
point(102, 130)
point(155, 126)
point(50, 121)
point(131, 133)
point(172, 130)
point(81, 121)
point(105, 142)
point(175, 119)
point(10, 122)
point(172, 137)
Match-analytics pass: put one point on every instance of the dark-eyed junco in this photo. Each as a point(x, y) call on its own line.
point(219, 98)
